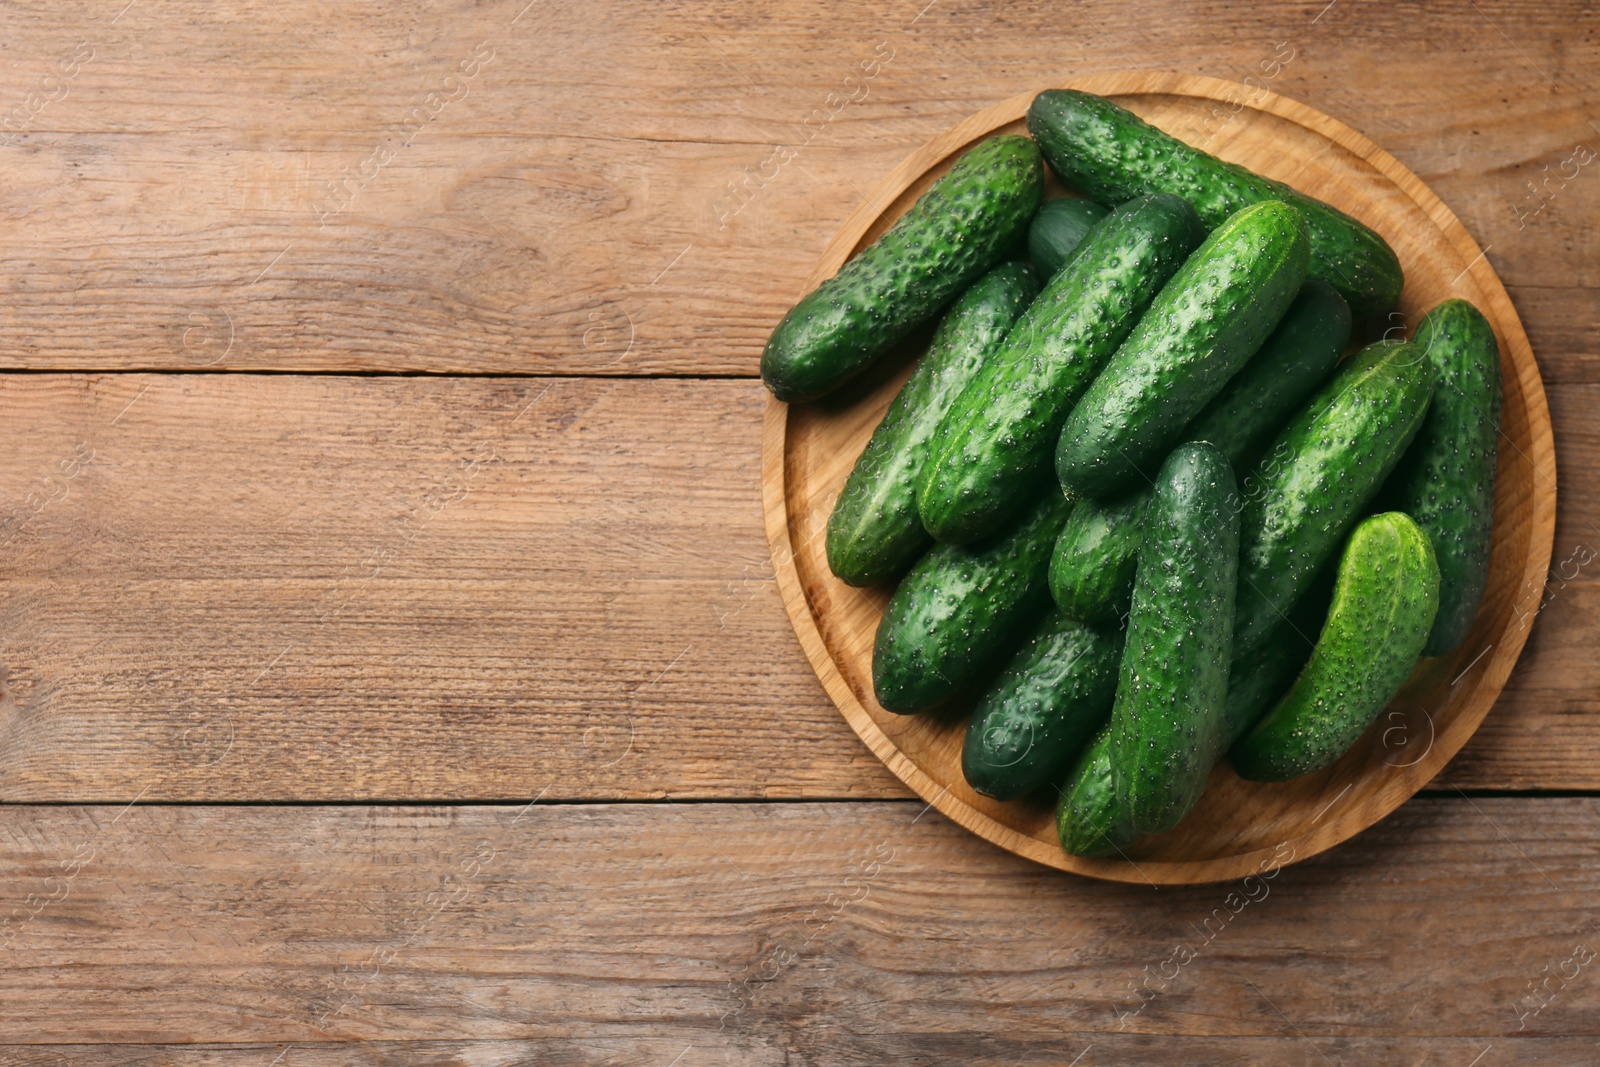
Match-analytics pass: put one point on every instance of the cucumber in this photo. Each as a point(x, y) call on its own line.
point(1089, 819)
point(1445, 481)
point(993, 447)
point(1033, 721)
point(1199, 331)
point(960, 608)
point(1384, 603)
point(1091, 571)
point(1058, 229)
point(1167, 721)
point(1283, 375)
point(874, 533)
point(963, 225)
point(1110, 154)
point(1326, 465)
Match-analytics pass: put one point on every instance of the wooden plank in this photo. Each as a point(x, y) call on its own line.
point(453, 188)
point(990, 1051)
point(393, 587)
point(767, 933)
point(383, 588)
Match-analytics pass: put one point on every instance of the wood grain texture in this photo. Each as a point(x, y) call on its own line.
point(782, 933)
point(809, 449)
point(547, 220)
point(443, 636)
point(562, 218)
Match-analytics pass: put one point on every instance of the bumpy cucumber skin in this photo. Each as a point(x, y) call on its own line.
point(1323, 469)
point(1110, 154)
point(1091, 569)
point(961, 607)
point(1199, 331)
point(1383, 607)
point(1445, 481)
point(992, 451)
point(1168, 717)
point(969, 220)
point(1090, 820)
point(1058, 229)
point(1034, 720)
point(875, 533)
point(1291, 364)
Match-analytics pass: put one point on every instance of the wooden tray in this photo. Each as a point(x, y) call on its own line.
point(1239, 827)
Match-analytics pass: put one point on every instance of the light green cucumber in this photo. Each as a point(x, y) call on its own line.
point(874, 533)
point(1384, 602)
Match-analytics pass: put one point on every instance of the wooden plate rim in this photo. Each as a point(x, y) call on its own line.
point(1503, 655)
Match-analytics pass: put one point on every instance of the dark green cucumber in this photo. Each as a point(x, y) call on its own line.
point(1258, 679)
point(1091, 571)
point(1199, 332)
point(1283, 375)
point(1167, 722)
point(1325, 466)
point(967, 222)
point(1384, 602)
point(1058, 229)
point(874, 533)
point(992, 451)
point(1445, 481)
point(961, 608)
point(1089, 819)
point(1110, 154)
point(1034, 720)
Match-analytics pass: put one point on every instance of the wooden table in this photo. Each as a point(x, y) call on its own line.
point(391, 654)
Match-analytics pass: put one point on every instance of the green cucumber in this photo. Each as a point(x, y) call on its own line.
point(992, 449)
point(1058, 229)
point(1033, 721)
point(1446, 480)
point(1199, 332)
point(1384, 602)
point(962, 607)
point(1168, 717)
point(1282, 376)
point(874, 533)
point(1089, 819)
point(1091, 571)
point(1110, 154)
point(1326, 465)
point(967, 222)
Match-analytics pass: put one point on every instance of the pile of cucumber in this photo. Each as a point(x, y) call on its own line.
point(1140, 511)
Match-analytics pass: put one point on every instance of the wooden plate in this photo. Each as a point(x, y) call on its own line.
point(1239, 827)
